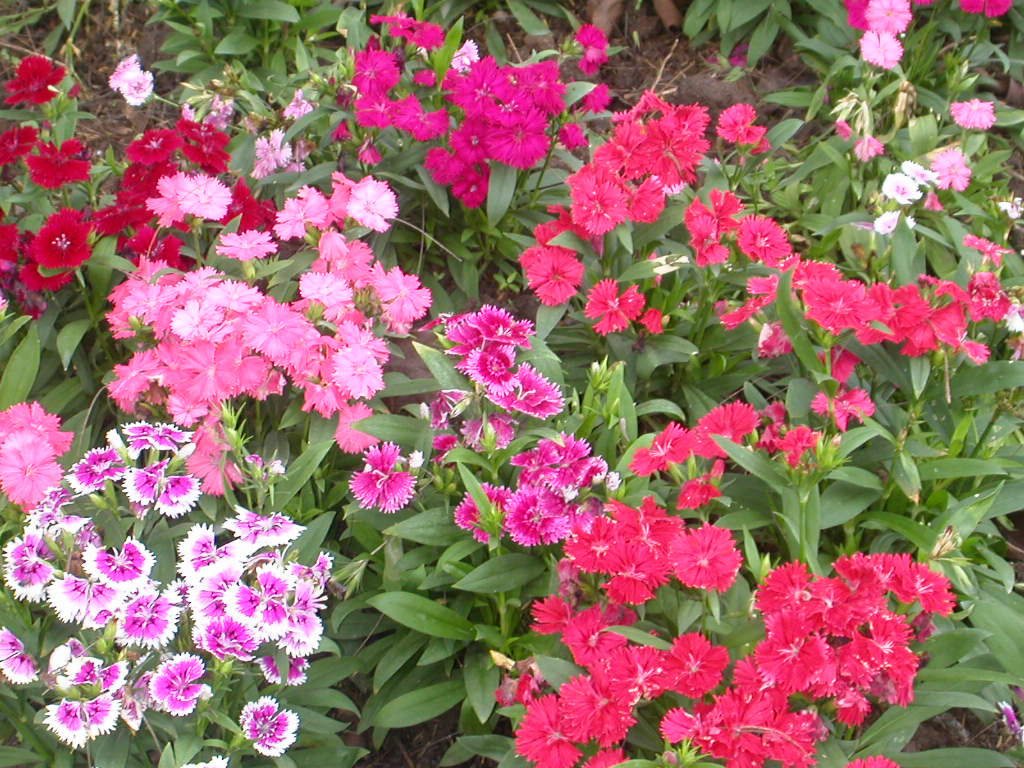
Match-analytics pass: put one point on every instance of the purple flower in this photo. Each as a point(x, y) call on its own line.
point(78, 722)
point(225, 638)
point(272, 730)
point(27, 569)
point(149, 620)
point(537, 516)
point(296, 670)
point(266, 604)
point(142, 484)
point(263, 531)
point(160, 437)
point(127, 567)
point(16, 665)
point(92, 472)
point(174, 688)
point(178, 495)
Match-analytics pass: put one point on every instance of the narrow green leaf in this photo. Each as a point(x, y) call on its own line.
point(299, 472)
point(423, 615)
point(528, 20)
point(502, 573)
point(482, 678)
point(20, 370)
point(441, 367)
point(501, 188)
point(640, 637)
point(68, 339)
point(956, 757)
point(66, 12)
point(236, 43)
point(755, 463)
point(786, 306)
point(420, 705)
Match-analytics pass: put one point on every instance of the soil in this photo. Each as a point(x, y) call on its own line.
point(651, 58)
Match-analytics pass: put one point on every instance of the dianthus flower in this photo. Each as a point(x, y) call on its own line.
point(991, 8)
point(881, 49)
point(531, 394)
point(989, 250)
point(595, 48)
point(599, 199)
point(173, 686)
point(54, 167)
point(246, 246)
point(34, 81)
point(888, 16)
point(62, 242)
point(272, 152)
point(974, 114)
point(131, 81)
point(372, 204)
point(552, 272)
point(540, 736)
point(155, 146)
point(17, 142)
point(762, 239)
point(705, 558)
point(379, 484)
point(950, 165)
point(867, 148)
point(615, 311)
point(736, 125)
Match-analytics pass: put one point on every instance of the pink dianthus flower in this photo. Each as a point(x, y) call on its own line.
point(881, 49)
point(974, 114)
point(951, 167)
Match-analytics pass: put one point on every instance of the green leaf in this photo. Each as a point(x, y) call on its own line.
point(21, 369)
point(433, 527)
point(755, 463)
point(662, 350)
point(403, 430)
point(420, 705)
point(440, 367)
point(236, 43)
point(501, 188)
point(904, 472)
point(482, 678)
point(760, 43)
point(784, 131)
point(274, 10)
point(307, 546)
point(988, 378)
point(940, 469)
point(557, 671)
point(68, 339)
point(423, 615)
point(299, 472)
point(15, 756)
point(786, 306)
point(502, 573)
point(528, 20)
point(66, 12)
point(641, 637)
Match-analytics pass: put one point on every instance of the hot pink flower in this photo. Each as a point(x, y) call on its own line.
point(952, 169)
point(595, 48)
point(974, 114)
point(380, 484)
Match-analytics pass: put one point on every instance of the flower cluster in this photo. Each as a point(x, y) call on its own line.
point(654, 152)
point(217, 338)
point(230, 598)
point(132, 81)
point(834, 639)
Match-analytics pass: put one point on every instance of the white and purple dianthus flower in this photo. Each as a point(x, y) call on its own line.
point(97, 466)
point(174, 688)
point(27, 567)
point(263, 530)
point(126, 567)
point(269, 728)
point(16, 665)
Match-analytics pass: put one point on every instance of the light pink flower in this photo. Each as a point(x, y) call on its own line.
point(246, 246)
point(272, 152)
point(974, 114)
point(356, 372)
point(298, 106)
point(205, 196)
point(951, 167)
point(372, 204)
point(402, 297)
point(867, 148)
point(888, 16)
point(131, 81)
point(881, 49)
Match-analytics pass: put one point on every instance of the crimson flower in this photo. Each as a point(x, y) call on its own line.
point(62, 242)
point(17, 142)
point(56, 166)
point(33, 80)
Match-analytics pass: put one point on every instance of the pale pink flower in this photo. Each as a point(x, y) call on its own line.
point(272, 152)
point(932, 202)
point(168, 205)
point(298, 106)
point(466, 56)
point(357, 372)
point(204, 196)
point(372, 204)
point(402, 297)
point(246, 246)
point(867, 148)
point(974, 114)
point(348, 438)
point(951, 167)
point(881, 49)
point(131, 81)
point(888, 16)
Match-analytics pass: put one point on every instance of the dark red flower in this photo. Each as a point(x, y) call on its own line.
point(33, 81)
point(62, 242)
point(17, 142)
point(256, 214)
point(32, 279)
point(155, 146)
point(54, 167)
point(205, 145)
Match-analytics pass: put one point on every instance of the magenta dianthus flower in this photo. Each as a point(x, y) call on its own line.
point(380, 484)
point(272, 730)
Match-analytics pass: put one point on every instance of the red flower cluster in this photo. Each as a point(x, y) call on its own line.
point(833, 639)
point(641, 548)
point(54, 166)
point(736, 125)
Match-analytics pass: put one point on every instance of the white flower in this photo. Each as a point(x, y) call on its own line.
point(1012, 208)
point(886, 223)
point(901, 188)
point(919, 173)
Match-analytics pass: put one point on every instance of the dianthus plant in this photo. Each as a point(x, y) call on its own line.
point(137, 605)
point(827, 650)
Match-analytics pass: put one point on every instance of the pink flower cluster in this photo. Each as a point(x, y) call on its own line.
point(214, 339)
point(234, 597)
point(132, 81)
point(835, 639)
